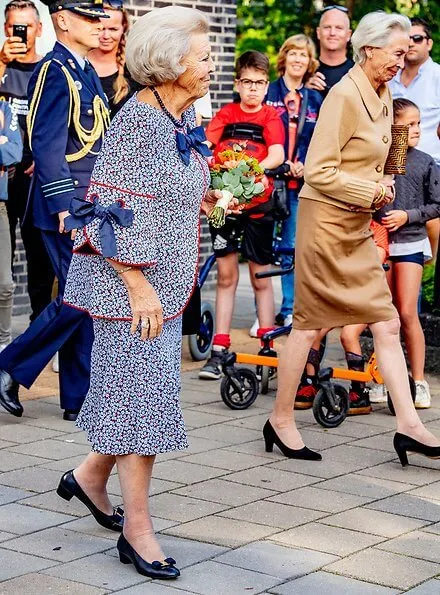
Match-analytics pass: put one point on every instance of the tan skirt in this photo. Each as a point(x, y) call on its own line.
point(339, 278)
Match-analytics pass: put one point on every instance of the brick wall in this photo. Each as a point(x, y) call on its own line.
point(222, 17)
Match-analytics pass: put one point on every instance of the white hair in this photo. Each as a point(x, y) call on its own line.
point(374, 30)
point(159, 40)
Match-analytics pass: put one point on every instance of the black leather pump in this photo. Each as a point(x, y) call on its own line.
point(69, 487)
point(271, 438)
point(160, 570)
point(404, 444)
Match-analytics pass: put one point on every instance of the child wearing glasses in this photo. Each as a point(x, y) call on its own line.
point(259, 129)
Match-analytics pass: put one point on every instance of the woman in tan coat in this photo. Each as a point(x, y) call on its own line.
point(339, 279)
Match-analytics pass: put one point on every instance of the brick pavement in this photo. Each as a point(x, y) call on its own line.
point(237, 519)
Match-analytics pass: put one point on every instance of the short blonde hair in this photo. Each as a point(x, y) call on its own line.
point(374, 30)
point(298, 42)
point(159, 40)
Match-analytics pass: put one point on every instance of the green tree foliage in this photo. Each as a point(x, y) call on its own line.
point(264, 24)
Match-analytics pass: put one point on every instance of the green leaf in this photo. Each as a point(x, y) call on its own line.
point(258, 188)
point(216, 182)
point(238, 191)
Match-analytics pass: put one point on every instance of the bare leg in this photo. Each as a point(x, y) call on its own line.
point(135, 477)
point(92, 476)
point(291, 365)
point(407, 281)
point(350, 337)
point(227, 281)
point(263, 291)
point(392, 366)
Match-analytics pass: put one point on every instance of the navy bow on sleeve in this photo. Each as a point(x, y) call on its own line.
point(193, 139)
point(84, 211)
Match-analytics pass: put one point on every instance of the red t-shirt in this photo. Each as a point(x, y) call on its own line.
point(267, 117)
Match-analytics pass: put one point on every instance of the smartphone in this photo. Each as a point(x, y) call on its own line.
point(20, 31)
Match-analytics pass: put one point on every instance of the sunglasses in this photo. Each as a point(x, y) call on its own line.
point(418, 38)
point(335, 7)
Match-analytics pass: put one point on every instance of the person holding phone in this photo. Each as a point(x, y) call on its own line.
point(18, 60)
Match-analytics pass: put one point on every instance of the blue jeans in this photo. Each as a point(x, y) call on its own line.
point(288, 234)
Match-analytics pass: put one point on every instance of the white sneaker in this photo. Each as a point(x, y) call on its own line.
point(288, 320)
point(423, 396)
point(56, 364)
point(378, 393)
point(253, 331)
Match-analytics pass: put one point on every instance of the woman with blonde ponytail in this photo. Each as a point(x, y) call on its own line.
point(109, 58)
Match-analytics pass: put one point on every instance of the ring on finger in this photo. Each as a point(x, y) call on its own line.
point(145, 323)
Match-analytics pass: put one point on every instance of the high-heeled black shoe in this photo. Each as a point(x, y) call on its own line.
point(69, 487)
point(404, 444)
point(271, 438)
point(162, 570)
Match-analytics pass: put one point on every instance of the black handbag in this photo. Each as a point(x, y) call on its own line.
point(192, 314)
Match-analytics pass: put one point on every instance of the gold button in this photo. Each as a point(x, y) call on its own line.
point(385, 139)
point(378, 168)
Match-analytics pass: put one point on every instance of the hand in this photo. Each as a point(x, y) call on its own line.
point(61, 228)
point(30, 170)
point(211, 198)
point(145, 305)
point(3, 139)
point(317, 82)
point(389, 193)
point(296, 169)
point(394, 219)
point(12, 48)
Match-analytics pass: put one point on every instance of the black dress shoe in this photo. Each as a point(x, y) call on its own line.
point(156, 569)
point(404, 444)
point(9, 394)
point(271, 438)
point(70, 415)
point(69, 487)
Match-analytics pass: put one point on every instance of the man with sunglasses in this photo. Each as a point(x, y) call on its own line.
point(333, 33)
point(68, 116)
point(419, 81)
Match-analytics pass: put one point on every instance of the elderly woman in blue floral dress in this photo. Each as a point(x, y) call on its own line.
point(134, 269)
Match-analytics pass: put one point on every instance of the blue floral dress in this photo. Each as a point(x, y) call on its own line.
point(133, 402)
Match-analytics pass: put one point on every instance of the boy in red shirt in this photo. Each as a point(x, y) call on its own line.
point(258, 128)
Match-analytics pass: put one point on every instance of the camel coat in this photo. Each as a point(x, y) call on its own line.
point(339, 278)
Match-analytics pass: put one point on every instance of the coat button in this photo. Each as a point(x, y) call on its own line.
point(378, 168)
point(89, 112)
point(385, 139)
point(75, 182)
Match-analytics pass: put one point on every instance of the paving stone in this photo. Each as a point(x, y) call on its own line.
point(59, 544)
point(379, 442)
point(52, 449)
point(98, 570)
point(275, 560)
point(153, 588)
point(362, 485)
point(5, 536)
point(34, 479)
point(183, 472)
point(412, 506)
point(435, 528)
point(385, 568)
point(352, 429)
point(224, 492)
point(208, 578)
point(338, 460)
point(270, 478)
point(74, 437)
point(226, 434)
point(255, 447)
point(374, 522)
point(19, 519)
point(330, 584)
point(53, 422)
point(273, 514)
point(221, 531)
point(431, 491)
point(5, 444)
point(416, 544)
point(393, 471)
point(43, 407)
point(8, 495)
point(22, 434)
point(51, 501)
point(64, 465)
point(89, 526)
point(198, 419)
point(197, 445)
point(42, 584)
point(317, 499)
point(254, 422)
point(11, 460)
point(323, 538)
point(431, 587)
point(15, 564)
point(182, 508)
point(226, 459)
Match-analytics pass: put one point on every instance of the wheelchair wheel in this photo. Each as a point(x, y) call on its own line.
point(239, 392)
point(324, 412)
point(200, 344)
point(412, 387)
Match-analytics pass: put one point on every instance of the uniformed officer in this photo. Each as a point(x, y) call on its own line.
point(68, 116)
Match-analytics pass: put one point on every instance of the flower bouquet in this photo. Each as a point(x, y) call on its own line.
point(236, 175)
